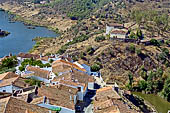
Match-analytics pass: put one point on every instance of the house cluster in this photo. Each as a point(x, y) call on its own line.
point(64, 87)
point(108, 100)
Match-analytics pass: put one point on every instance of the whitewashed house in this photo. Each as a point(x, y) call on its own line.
point(12, 84)
point(116, 30)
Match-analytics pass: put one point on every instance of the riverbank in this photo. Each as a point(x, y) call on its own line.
point(20, 39)
point(160, 104)
point(34, 15)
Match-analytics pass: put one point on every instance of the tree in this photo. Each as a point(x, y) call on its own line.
point(9, 62)
point(51, 60)
point(166, 90)
point(142, 85)
point(130, 82)
point(132, 48)
point(154, 42)
point(95, 67)
point(139, 34)
point(21, 68)
point(100, 38)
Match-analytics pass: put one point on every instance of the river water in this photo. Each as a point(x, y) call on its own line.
point(20, 39)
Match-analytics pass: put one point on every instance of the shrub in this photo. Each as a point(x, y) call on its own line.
point(142, 85)
point(100, 38)
point(21, 68)
point(154, 42)
point(138, 51)
point(90, 50)
point(95, 67)
point(132, 48)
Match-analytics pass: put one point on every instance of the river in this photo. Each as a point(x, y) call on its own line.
point(20, 38)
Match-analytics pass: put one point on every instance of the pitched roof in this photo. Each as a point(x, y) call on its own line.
point(4, 95)
point(115, 25)
point(106, 93)
point(28, 55)
point(118, 32)
point(76, 76)
point(60, 62)
point(39, 72)
point(105, 107)
point(14, 105)
point(7, 75)
point(16, 81)
point(7, 82)
point(59, 96)
point(107, 99)
point(123, 108)
point(37, 100)
point(20, 82)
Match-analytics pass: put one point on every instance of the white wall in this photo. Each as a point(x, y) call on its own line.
point(108, 29)
point(9, 88)
point(80, 95)
point(117, 35)
point(90, 85)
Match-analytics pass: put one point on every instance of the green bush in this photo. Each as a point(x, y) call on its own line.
point(132, 48)
point(90, 50)
point(138, 51)
point(95, 67)
point(154, 42)
point(100, 38)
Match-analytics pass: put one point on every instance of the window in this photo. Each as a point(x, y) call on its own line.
point(4, 90)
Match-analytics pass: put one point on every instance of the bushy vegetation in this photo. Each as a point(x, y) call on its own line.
point(90, 50)
point(95, 67)
point(33, 82)
point(138, 35)
point(32, 62)
point(152, 20)
point(77, 9)
point(8, 64)
point(75, 40)
point(153, 82)
point(100, 38)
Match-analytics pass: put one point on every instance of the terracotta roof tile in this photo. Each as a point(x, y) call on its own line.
point(59, 95)
point(118, 32)
point(28, 55)
point(115, 25)
point(8, 82)
point(39, 72)
point(69, 64)
point(15, 105)
point(8, 75)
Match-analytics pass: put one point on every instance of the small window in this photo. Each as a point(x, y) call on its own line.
point(4, 90)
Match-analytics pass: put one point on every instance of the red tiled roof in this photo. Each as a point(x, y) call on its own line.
point(59, 95)
point(28, 55)
point(68, 63)
point(8, 75)
point(115, 24)
point(118, 32)
point(14, 105)
point(39, 72)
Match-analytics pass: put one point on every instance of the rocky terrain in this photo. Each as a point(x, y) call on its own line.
point(116, 59)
